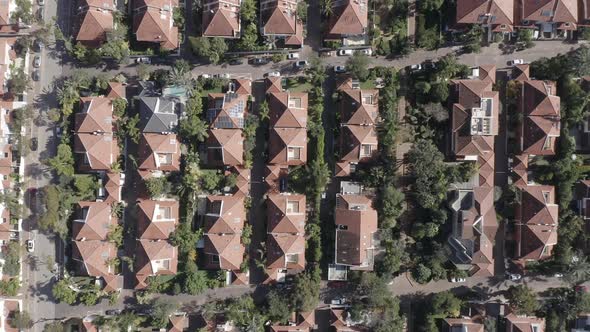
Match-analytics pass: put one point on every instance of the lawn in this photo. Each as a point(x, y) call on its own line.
point(368, 84)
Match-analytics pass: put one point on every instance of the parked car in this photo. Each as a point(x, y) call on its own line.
point(272, 74)
point(292, 56)
point(113, 312)
point(38, 45)
point(205, 76)
point(30, 245)
point(515, 62)
point(513, 276)
point(34, 143)
point(260, 61)
point(41, 2)
point(340, 69)
point(338, 301)
point(145, 60)
point(35, 75)
point(416, 67)
point(37, 61)
point(344, 52)
point(366, 51)
point(581, 289)
point(41, 14)
point(222, 75)
point(458, 279)
point(234, 62)
point(58, 132)
point(300, 64)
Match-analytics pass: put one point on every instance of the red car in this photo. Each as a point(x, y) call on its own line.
point(581, 289)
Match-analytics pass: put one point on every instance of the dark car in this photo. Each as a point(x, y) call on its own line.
point(235, 62)
point(35, 75)
point(34, 143)
point(260, 61)
point(38, 45)
point(41, 14)
point(113, 312)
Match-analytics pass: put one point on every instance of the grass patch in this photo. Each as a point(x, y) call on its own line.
point(368, 84)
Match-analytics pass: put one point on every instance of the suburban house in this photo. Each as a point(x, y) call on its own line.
point(153, 258)
point(94, 221)
point(8, 309)
point(298, 322)
point(549, 16)
point(225, 147)
point(242, 180)
point(156, 219)
point(285, 244)
point(95, 21)
point(157, 115)
point(348, 21)
point(227, 110)
point(582, 197)
point(95, 258)
point(278, 20)
point(221, 18)
point(359, 113)
point(287, 146)
point(95, 146)
point(223, 225)
point(521, 72)
point(535, 219)
point(153, 22)
point(341, 321)
point(356, 230)
point(540, 108)
point(275, 178)
point(159, 152)
point(497, 15)
point(517, 323)
point(7, 23)
point(287, 109)
point(178, 323)
point(274, 84)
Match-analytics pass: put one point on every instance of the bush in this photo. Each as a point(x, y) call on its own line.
point(158, 186)
point(421, 274)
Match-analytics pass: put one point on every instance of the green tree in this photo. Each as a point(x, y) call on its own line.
point(23, 12)
point(9, 287)
point(244, 313)
point(445, 304)
point(277, 310)
point(392, 201)
point(63, 162)
point(358, 66)
point(54, 327)
point(249, 40)
point(63, 293)
point(395, 257)
point(21, 320)
point(90, 295)
point(430, 5)
point(115, 235)
point(161, 313)
point(306, 292)
point(302, 11)
point(212, 49)
point(86, 186)
point(422, 274)
point(19, 81)
point(428, 167)
point(522, 300)
point(248, 11)
point(143, 71)
point(119, 107)
point(185, 238)
point(192, 127)
point(158, 186)
point(429, 39)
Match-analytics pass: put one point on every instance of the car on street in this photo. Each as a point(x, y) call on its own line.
point(416, 67)
point(458, 279)
point(34, 144)
point(513, 276)
point(272, 74)
point(338, 301)
point(41, 14)
point(35, 75)
point(340, 69)
point(234, 62)
point(37, 61)
point(222, 75)
point(581, 289)
point(366, 51)
point(41, 2)
point(558, 275)
point(38, 45)
point(113, 312)
point(58, 132)
point(300, 64)
point(292, 56)
point(205, 76)
point(260, 61)
point(144, 60)
point(344, 52)
point(30, 245)
point(515, 62)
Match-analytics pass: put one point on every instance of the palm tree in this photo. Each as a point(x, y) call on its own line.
point(578, 272)
point(326, 6)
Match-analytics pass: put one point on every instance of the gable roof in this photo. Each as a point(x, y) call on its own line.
point(284, 116)
point(221, 21)
point(225, 214)
point(538, 98)
point(148, 251)
point(159, 152)
point(95, 221)
point(279, 245)
point(282, 221)
point(281, 139)
point(152, 22)
point(231, 144)
point(228, 247)
point(96, 115)
point(349, 17)
point(541, 123)
point(483, 11)
point(278, 18)
point(157, 115)
point(352, 137)
point(357, 221)
point(102, 150)
point(151, 225)
point(116, 90)
point(94, 256)
point(550, 10)
point(355, 108)
point(94, 25)
point(536, 218)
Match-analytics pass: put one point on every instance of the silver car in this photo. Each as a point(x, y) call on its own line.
point(37, 61)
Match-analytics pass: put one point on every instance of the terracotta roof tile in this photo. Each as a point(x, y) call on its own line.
point(352, 139)
point(148, 252)
point(285, 251)
point(221, 19)
point(101, 150)
point(349, 17)
point(356, 221)
point(225, 147)
point(288, 109)
point(156, 219)
point(152, 22)
point(225, 214)
point(94, 221)
point(94, 256)
point(485, 11)
point(96, 115)
point(281, 140)
point(159, 152)
point(286, 213)
point(359, 107)
point(95, 23)
point(228, 249)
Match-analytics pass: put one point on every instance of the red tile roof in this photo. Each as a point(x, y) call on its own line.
point(282, 140)
point(516, 323)
point(359, 107)
point(494, 12)
point(96, 115)
point(225, 147)
point(353, 138)
point(221, 18)
point(285, 251)
point(152, 22)
point(349, 17)
point(156, 219)
point(274, 84)
point(464, 324)
point(94, 256)
point(95, 22)
point(288, 109)
point(159, 152)
point(225, 214)
point(278, 17)
point(227, 110)
point(227, 248)
point(356, 222)
point(521, 72)
point(541, 123)
point(101, 150)
point(565, 11)
point(283, 220)
point(148, 252)
point(95, 221)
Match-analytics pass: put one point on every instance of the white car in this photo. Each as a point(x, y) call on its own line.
point(558, 275)
point(205, 76)
point(223, 75)
point(338, 301)
point(37, 61)
point(292, 56)
point(30, 245)
point(300, 64)
point(514, 276)
point(340, 69)
point(344, 52)
point(273, 74)
point(458, 279)
point(515, 62)
point(366, 51)
point(415, 67)
point(144, 60)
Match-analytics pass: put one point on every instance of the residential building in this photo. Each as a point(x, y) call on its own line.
point(111, 187)
point(582, 197)
point(540, 108)
point(497, 15)
point(359, 115)
point(536, 219)
point(521, 72)
point(516, 323)
point(298, 322)
point(221, 18)
point(227, 110)
point(341, 321)
point(279, 21)
point(356, 228)
point(153, 22)
point(178, 323)
point(95, 258)
point(274, 84)
point(156, 220)
point(275, 178)
point(95, 21)
point(581, 323)
point(242, 175)
point(463, 324)
point(157, 115)
point(288, 146)
point(225, 147)
point(223, 225)
point(95, 146)
point(94, 221)
point(153, 258)
point(159, 152)
point(7, 23)
point(549, 16)
point(287, 109)
point(285, 243)
point(348, 20)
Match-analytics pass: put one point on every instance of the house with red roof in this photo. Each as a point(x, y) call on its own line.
point(497, 15)
point(95, 21)
point(221, 19)
point(94, 221)
point(156, 220)
point(154, 257)
point(153, 22)
point(548, 16)
point(348, 19)
point(297, 322)
point(278, 20)
point(159, 152)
